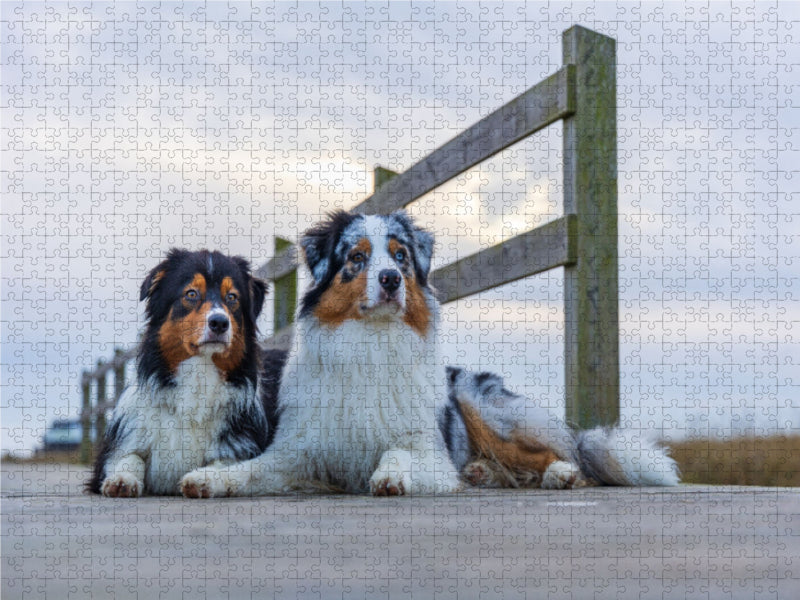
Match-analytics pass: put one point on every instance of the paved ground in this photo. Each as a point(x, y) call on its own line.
point(687, 542)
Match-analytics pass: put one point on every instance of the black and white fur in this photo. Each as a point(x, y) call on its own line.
point(362, 383)
point(196, 400)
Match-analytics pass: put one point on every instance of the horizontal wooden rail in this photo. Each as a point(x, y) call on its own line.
point(551, 245)
point(545, 103)
point(546, 247)
point(548, 101)
point(281, 265)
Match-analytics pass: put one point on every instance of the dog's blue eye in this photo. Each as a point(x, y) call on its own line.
point(400, 255)
point(192, 295)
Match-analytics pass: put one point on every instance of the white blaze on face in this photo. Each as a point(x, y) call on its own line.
point(377, 232)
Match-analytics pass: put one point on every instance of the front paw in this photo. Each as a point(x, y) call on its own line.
point(387, 486)
point(393, 475)
point(123, 485)
point(208, 482)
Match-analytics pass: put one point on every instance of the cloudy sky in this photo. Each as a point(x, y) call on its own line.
point(130, 128)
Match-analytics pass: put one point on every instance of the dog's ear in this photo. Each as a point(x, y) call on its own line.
point(150, 283)
point(422, 242)
point(258, 291)
point(319, 243)
point(257, 288)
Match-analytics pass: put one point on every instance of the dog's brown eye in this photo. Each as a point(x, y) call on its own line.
point(231, 297)
point(192, 295)
point(357, 257)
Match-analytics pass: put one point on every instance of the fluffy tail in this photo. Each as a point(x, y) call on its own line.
point(617, 456)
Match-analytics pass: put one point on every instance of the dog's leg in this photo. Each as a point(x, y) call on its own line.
point(125, 478)
point(422, 469)
point(263, 475)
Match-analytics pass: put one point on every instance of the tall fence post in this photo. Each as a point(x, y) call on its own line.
point(284, 292)
point(591, 305)
point(86, 418)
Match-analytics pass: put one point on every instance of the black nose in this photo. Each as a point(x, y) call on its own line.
point(390, 280)
point(218, 323)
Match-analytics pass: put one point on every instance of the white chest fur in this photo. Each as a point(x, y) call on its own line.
point(177, 428)
point(351, 393)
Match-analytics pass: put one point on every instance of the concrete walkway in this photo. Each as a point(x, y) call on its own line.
point(686, 542)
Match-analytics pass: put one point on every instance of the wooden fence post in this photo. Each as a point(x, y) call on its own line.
point(86, 418)
point(591, 306)
point(119, 373)
point(284, 292)
point(381, 176)
point(102, 398)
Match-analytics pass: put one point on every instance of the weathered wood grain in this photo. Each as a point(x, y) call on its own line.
point(591, 311)
point(546, 102)
point(546, 247)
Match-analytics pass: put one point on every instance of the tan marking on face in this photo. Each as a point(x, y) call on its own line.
point(342, 301)
point(418, 315)
point(363, 245)
point(179, 339)
point(198, 283)
point(517, 457)
point(226, 287)
point(394, 246)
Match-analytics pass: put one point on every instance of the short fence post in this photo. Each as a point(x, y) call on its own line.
point(381, 176)
point(591, 305)
point(86, 418)
point(284, 292)
point(100, 418)
point(119, 374)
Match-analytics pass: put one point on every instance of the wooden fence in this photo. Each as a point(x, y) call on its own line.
point(583, 241)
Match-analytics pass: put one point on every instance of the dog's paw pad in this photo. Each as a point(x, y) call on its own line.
point(388, 487)
point(477, 474)
point(195, 489)
point(560, 475)
point(122, 486)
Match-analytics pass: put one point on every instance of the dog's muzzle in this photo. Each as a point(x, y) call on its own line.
point(217, 329)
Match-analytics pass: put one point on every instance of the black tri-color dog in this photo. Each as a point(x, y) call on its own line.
point(197, 399)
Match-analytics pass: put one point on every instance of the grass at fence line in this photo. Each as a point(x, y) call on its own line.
point(57, 456)
point(768, 461)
